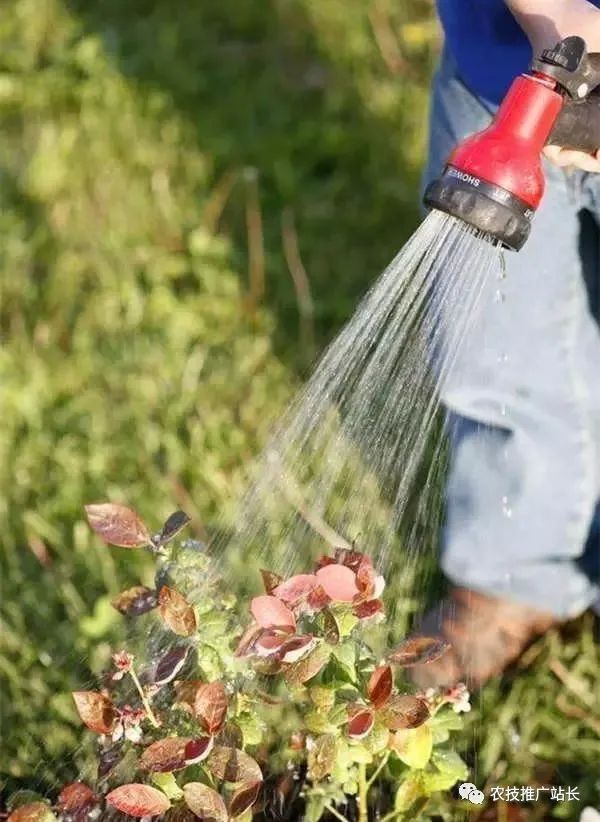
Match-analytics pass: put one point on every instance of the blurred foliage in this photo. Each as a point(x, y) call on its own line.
point(171, 178)
point(139, 361)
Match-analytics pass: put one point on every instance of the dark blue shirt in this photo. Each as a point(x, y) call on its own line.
point(488, 45)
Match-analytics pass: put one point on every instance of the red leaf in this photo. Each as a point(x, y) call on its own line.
point(270, 642)
point(33, 812)
point(210, 706)
point(270, 580)
point(350, 558)
point(366, 610)
point(296, 589)
point(138, 800)
point(323, 561)
point(233, 765)
point(365, 577)
point(170, 664)
point(404, 711)
point(419, 649)
point(205, 802)
point(361, 721)
point(176, 612)
point(173, 525)
point(380, 685)
point(270, 612)
point(296, 648)
point(135, 601)
point(165, 755)
point(76, 797)
point(244, 798)
point(117, 525)
point(198, 749)
point(318, 598)
point(96, 711)
point(248, 639)
point(338, 582)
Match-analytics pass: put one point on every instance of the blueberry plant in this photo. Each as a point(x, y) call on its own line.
point(282, 704)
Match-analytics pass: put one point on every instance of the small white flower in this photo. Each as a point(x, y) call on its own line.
point(134, 733)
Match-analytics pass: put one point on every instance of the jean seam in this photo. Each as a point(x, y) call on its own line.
point(577, 527)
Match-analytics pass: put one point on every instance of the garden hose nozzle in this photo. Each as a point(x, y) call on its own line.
point(494, 180)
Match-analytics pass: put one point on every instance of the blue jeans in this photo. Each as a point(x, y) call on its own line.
point(523, 494)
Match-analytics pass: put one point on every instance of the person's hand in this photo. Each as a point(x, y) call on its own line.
point(569, 158)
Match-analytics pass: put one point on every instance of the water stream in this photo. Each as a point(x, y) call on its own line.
point(359, 457)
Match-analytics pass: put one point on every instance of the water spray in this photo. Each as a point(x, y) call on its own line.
point(494, 179)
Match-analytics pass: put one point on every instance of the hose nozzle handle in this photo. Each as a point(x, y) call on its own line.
point(578, 124)
point(577, 75)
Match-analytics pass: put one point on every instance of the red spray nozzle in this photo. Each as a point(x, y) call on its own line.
point(494, 179)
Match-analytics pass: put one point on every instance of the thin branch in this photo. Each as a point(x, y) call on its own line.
point(293, 495)
point(378, 770)
point(218, 200)
point(144, 698)
point(333, 810)
point(256, 243)
point(291, 251)
point(387, 42)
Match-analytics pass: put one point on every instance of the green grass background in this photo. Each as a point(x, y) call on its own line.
point(166, 171)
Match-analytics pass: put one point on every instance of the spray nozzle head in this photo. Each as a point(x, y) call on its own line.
point(494, 179)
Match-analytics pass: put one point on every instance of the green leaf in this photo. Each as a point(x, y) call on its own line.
point(414, 746)
point(338, 715)
point(361, 754)
point(318, 723)
point(378, 739)
point(346, 621)
point(252, 728)
point(322, 697)
point(442, 723)
point(168, 785)
point(315, 807)
point(409, 791)
point(449, 762)
point(345, 655)
point(435, 781)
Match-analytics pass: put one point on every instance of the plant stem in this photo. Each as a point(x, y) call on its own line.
point(377, 770)
point(334, 812)
point(363, 792)
point(144, 698)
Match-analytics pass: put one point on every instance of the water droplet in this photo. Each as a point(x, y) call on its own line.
point(506, 509)
point(502, 357)
point(502, 269)
point(502, 410)
point(499, 296)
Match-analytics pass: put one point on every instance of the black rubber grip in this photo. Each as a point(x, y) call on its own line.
point(578, 125)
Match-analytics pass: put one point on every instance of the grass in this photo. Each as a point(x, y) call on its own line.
point(191, 205)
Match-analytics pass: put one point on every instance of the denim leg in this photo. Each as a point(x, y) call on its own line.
point(525, 431)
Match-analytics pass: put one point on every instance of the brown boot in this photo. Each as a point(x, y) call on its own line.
point(485, 633)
